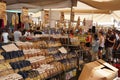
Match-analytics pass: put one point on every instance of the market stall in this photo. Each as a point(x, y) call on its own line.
point(57, 51)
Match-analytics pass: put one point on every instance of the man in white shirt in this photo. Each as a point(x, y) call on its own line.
point(17, 35)
point(5, 36)
point(27, 33)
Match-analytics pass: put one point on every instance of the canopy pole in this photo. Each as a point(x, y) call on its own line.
point(71, 10)
point(49, 27)
point(69, 27)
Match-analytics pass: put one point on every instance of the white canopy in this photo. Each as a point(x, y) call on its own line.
point(98, 10)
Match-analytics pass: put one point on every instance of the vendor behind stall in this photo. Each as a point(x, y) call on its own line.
point(37, 31)
point(4, 36)
point(17, 34)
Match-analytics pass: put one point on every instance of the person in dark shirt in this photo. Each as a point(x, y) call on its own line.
point(37, 31)
point(118, 45)
point(109, 43)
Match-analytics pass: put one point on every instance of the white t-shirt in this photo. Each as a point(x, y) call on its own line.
point(27, 34)
point(102, 42)
point(117, 37)
point(17, 35)
point(5, 37)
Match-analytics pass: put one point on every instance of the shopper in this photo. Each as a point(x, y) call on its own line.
point(5, 36)
point(89, 39)
point(101, 44)
point(88, 46)
point(109, 43)
point(118, 46)
point(116, 49)
point(17, 34)
point(71, 34)
point(116, 34)
point(95, 46)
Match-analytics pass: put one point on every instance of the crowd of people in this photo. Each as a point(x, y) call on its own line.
point(7, 36)
point(103, 44)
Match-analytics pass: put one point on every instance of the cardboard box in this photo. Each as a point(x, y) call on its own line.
point(98, 70)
